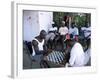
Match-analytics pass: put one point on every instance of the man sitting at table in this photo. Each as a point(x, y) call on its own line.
point(76, 54)
point(38, 46)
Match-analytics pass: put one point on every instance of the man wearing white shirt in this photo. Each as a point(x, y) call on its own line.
point(51, 35)
point(76, 54)
point(63, 30)
point(87, 31)
point(51, 32)
point(73, 31)
point(38, 45)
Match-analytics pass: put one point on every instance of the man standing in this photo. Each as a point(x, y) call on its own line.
point(73, 30)
point(63, 30)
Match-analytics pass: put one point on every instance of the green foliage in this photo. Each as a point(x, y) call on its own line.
point(58, 17)
point(80, 20)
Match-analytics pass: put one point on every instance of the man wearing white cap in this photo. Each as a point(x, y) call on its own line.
point(51, 34)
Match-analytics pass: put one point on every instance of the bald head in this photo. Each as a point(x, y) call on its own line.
point(63, 23)
point(43, 34)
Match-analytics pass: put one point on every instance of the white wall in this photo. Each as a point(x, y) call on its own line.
point(34, 22)
point(31, 24)
point(45, 20)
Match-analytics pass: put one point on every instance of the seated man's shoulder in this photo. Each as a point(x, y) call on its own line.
point(34, 42)
point(78, 46)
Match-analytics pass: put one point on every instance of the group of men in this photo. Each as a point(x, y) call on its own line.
point(78, 57)
point(61, 34)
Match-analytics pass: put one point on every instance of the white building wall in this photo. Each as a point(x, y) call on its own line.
point(34, 22)
point(31, 24)
point(45, 20)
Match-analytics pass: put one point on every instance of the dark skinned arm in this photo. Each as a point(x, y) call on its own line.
point(45, 46)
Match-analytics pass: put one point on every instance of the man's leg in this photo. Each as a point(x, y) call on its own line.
point(37, 58)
